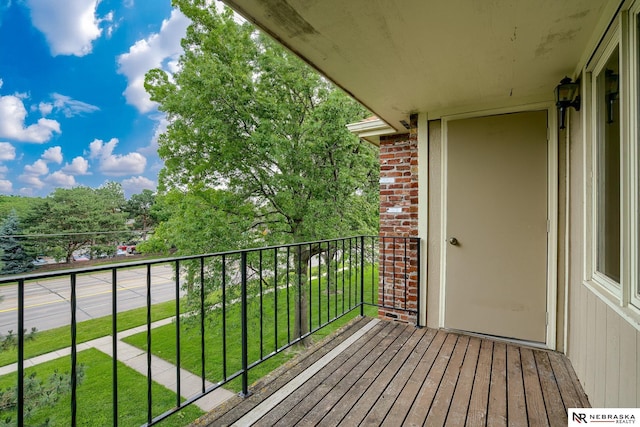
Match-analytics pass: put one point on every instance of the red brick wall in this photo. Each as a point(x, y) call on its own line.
point(399, 218)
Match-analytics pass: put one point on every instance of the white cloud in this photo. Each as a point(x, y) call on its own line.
point(3, 171)
point(71, 107)
point(152, 52)
point(45, 108)
point(78, 166)
point(32, 180)
point(116, 164)
point(61, 179)
point(12, 122)
point(138, 183)
point(160, 128)
point(39, 167)
point(69, 29)
point(53, 154)
point(7, 152)
point(1, 83)
point(5, 186)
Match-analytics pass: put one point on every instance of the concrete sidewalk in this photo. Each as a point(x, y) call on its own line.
point(163, 372)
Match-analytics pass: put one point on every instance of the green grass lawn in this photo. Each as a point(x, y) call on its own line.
point(55, 339)
point(94, 395)
point(325, 303)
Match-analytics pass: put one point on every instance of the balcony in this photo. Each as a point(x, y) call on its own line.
point(237, 315)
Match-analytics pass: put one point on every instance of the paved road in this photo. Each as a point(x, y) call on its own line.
point(47, 303)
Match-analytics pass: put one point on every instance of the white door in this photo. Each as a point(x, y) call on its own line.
point(496, 225)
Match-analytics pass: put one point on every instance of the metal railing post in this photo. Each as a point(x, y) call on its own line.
point(362, 276)
point(178, 344)
point(245, 345)
point(149, 371)
point(21, 352)
point(114, 343)
point(418, 266)
point(74, 350)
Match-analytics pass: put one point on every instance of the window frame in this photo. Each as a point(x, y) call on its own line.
point(632, 108)
point(597, 279)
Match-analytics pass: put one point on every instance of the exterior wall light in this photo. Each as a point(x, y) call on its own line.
point(612, 88)
point(566, 96)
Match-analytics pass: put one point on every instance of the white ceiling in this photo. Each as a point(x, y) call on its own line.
point(403, 56)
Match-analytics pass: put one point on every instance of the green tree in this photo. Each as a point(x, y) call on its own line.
point(247, 116)
point(81, 217)
point(140, 209)
point(14, 259)
point(22, 205)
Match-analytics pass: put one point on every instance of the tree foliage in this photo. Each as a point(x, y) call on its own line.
point(80, 217)
point(22, 205)
point(14, 256)
point(140, 208)
point(247, 116)
point(257, 146)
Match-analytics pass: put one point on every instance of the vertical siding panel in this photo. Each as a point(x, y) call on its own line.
point(638, 369)
point(600, 350)
point(612, 360)
point(580, 307)
point(588, 372)
point(628, 365)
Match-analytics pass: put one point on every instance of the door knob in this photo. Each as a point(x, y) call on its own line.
point(453, 241)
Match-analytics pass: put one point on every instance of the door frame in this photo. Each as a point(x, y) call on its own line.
point(552, 210)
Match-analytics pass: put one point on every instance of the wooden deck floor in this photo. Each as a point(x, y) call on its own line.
point(397, 375)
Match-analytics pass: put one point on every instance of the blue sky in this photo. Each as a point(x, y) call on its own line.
point(73, 110)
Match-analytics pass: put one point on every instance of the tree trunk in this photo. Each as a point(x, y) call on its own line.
point(301, 258)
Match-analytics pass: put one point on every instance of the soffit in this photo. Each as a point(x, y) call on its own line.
point(403, 56)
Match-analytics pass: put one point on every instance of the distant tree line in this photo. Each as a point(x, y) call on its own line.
point(91, 220)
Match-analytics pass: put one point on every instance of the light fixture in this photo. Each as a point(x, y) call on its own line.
point(566, 96)
point(612, 88)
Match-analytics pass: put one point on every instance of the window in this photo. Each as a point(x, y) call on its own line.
point(612, 86)
point(607, 153)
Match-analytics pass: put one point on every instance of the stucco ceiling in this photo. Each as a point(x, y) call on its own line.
point(404, 56)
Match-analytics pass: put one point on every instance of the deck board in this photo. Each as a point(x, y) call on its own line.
point(478, 404)
point(550, 392)
point(462, 393)
point(403, 403)
point(389, 395)
point(517, 407)
point(536, 411)
point(497, 412)
point(303, 400)
point(399, 375)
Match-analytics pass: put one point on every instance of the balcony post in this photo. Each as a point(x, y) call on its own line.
point(20, 352)
point(362, 276)
point(245, 347)
point(419, 287)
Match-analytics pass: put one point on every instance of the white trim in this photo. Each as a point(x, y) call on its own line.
point(443, 219)
point(423, 211)
point(371, 130)
point(567, 236)
point(622, 298)
point(552, 236)
point(491, 108)
point(592, 142)
point(633, 65)
point(552, 209)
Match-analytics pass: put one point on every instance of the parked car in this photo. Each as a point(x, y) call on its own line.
point(39, 261)
point(128, 248)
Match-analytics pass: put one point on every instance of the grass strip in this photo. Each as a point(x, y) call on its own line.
point(324, 303)
point(59, 338)
point(94, 401)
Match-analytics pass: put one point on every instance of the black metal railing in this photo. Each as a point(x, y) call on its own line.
point(236, 310)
